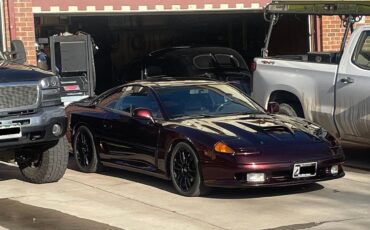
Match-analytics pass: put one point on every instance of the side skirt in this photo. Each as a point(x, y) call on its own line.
point(137, 170)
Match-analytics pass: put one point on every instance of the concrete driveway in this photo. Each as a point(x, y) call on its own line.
point(119, 199)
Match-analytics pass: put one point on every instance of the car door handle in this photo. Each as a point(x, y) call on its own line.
point(347, 80)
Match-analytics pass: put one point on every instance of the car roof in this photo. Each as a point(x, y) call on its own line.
point(181, 57)
point(170, 82)
point(164, 51)
point(193, 51)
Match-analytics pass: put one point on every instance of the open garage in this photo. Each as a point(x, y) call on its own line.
point(125, 34)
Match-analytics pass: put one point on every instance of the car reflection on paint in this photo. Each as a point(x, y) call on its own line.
point(199, 134)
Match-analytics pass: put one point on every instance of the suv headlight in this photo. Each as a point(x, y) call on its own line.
point(50, 91)
point(50, 82)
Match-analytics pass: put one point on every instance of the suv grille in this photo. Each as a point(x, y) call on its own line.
point(13, 97)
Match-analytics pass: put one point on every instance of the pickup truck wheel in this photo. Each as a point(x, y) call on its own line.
point(48, 166)
point(289, 110)
point(84, 151)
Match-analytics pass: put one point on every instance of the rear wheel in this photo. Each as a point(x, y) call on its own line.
point(185, 172)
point(84, 150)
point(47, 166)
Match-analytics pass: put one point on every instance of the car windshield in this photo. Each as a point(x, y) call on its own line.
point(205, 101)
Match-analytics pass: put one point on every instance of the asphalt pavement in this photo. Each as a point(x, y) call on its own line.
point(117, 199)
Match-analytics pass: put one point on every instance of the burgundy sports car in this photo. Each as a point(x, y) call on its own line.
point(199, 134)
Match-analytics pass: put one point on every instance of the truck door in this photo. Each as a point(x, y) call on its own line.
point(353, 86)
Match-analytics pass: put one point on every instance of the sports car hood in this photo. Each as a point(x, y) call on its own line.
point(252, 130)
point(276, 136)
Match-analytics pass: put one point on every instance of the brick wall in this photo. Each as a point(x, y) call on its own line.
point(332, 32)
point(24, 26)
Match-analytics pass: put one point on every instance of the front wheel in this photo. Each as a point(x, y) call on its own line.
point(84, 150)
point(47, 166)
point(185, 173)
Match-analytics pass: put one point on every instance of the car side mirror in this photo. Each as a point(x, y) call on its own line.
point(143, 114)
point(18, 52)
point(273, 107)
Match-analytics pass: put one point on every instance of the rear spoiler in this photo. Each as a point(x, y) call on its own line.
point(318, 7)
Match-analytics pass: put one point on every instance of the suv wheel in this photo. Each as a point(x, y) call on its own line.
point(47, 166)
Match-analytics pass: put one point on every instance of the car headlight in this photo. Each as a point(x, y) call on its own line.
point(320, 132)
point(331, 140)
point(50, 91)
point(325, 135)
point(335, 147)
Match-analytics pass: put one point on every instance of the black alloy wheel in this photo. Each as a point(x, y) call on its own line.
point(185, 173)
point(84, 151)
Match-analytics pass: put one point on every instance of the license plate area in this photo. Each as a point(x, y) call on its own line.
point(10, 132)
point(304, 170)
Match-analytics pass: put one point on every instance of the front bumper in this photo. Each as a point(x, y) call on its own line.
point(276, 174)
point(36, 128)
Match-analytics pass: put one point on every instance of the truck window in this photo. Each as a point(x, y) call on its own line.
point(361, 56)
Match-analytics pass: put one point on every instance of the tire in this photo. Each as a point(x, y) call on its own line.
point(50, 166)
point(84, 151)
point(289, 110)
point(184, 170)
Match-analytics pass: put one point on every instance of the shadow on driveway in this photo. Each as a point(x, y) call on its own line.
point(358, 159)
point(10, 172)
point(22, 216)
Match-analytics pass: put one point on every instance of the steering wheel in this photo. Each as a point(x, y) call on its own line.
point(221, 107)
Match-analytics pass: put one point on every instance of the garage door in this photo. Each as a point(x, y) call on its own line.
point(142, 6)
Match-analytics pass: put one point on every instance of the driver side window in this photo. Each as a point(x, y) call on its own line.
point(138, 97)
point(110, 99)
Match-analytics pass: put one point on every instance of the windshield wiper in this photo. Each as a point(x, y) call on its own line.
point(249, 114)
point(196, 116)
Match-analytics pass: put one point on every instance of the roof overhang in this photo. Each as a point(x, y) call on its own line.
point(94, 7)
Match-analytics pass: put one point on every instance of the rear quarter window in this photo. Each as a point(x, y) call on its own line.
point(210, 61)
point(204, 61)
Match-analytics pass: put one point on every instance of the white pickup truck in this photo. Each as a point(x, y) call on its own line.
point(330, 89)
